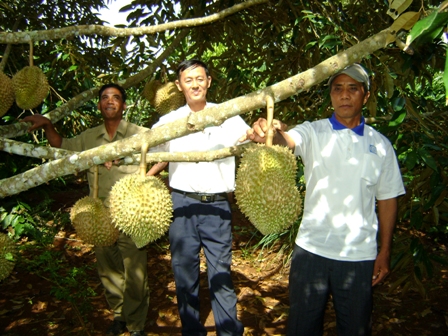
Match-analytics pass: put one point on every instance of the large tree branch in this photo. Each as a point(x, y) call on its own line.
point(56, 34)
point(290, 86)
point(195, 122)
point(39, 152)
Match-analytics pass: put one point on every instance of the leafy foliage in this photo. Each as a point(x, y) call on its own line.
point(70, 283)
point(19, 220)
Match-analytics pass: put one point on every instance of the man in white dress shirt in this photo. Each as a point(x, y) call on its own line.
point(202, 214)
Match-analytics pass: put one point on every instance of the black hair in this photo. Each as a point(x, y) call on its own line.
point(194, 63)
point(116, 86)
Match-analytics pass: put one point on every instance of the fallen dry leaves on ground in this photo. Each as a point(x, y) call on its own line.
point(28, 307)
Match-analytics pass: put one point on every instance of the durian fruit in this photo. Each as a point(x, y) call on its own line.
point(30, 87)
point(92, 220)
point(164, 97)
point(150, 89)
point(141, 206)
point(6, 93)
point(265, 187)
point(8, 254)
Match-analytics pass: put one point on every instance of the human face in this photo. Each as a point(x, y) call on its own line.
point(111, 104)
point(194, 83)
point(348, 97)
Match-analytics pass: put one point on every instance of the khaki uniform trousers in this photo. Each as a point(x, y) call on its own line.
point(122, 268)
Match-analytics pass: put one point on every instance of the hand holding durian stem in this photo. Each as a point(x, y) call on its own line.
point(95, 181)
point(144, 150)
point(270, 117)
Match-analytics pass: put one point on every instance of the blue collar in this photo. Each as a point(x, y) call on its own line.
point(338, 126)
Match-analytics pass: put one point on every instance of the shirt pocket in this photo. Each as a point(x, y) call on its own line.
point(371, 168)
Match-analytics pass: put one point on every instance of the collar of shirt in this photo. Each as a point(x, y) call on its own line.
point(338, 126)
point(121, 129)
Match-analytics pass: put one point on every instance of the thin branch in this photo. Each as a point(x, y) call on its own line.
point(53, 153)
point(197, 156)
point(67, 32)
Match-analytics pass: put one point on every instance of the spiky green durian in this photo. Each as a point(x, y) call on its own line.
point(8, 254)
point(164, 97)
point(92, 222)
point(6, 93)
point(265, 189)
point(30, 87)
point(141, 207)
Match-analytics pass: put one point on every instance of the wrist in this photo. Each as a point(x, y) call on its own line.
point(384, 251)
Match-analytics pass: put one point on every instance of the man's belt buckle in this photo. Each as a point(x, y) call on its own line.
point(207, 198)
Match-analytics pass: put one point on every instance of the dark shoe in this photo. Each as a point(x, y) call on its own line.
point(116, 328)
point(138, 333)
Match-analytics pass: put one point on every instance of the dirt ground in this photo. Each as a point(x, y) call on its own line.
point(28, 307)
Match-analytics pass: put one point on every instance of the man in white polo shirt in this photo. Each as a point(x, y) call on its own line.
point(202, 214)
point(348, 166)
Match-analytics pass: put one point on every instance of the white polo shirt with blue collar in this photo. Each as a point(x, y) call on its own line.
point(345, 171)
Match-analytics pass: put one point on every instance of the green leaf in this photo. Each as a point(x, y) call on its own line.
point(398, 103)
point(411, 160)
point(405, 21)
point(389, 85)
point(9, 256)
point(433, 146)
point(399, 119)
point(428, 158)
point(439, 259)
point(310, 45)
point(417, 220)
point(428, 28)
point(19, 229)
point(329, 41)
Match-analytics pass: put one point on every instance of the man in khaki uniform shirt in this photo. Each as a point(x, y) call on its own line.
point(122, 267)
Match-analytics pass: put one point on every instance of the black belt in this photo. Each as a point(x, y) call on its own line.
point(204, 198)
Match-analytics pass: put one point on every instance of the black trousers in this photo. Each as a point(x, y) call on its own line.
point(199, 225)
point(311, 280)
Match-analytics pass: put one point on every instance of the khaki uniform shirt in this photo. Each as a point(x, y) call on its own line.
point(98, 136)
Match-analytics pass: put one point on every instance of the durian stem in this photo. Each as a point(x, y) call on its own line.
point(164, 74)
point(143, 164)
point(8, 48)
point(270, 117)
point(95, 181)
point(31, 53)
